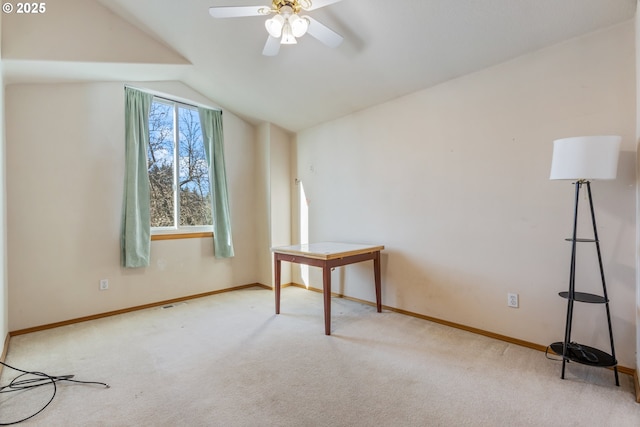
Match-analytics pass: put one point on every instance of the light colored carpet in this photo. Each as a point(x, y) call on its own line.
point(228, 360)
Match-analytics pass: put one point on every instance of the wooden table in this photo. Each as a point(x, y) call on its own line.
point(327, 255)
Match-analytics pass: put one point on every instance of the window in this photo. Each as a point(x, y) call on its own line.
point(178, 172)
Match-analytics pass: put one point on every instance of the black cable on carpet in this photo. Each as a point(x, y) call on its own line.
point(37, 379)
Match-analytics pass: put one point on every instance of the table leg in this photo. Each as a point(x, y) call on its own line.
point(277, 266)
point(376, 275)
point(326, 289)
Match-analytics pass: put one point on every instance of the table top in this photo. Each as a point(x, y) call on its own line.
point(327, 250)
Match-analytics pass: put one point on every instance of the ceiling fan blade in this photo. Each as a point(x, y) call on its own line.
point(317, 4)
point(238, 11)
point(323, 33)
point(271, 47)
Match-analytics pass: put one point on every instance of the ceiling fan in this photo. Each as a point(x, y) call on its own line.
point(286, 24)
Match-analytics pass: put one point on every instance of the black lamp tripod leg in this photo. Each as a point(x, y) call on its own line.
point(572, 282)
point(604, 287)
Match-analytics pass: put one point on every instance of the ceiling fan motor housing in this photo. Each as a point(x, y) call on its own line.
point(293, 4)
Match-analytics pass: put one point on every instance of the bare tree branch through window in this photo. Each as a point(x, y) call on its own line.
point(178, 171)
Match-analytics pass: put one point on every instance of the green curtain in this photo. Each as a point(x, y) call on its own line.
point(211, 125)
point(136, 221)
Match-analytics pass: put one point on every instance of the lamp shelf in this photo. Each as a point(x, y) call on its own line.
point(584, 354)
point(580, 240)
point(585, 297)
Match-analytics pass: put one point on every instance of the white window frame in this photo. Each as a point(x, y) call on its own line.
point(178, 229)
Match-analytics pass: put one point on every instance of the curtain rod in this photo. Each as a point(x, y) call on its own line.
point(165, 97)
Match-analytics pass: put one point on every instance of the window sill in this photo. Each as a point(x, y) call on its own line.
point(181, 236)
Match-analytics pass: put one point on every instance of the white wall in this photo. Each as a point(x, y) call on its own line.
point(65, 168)
point(280, 155)
point(637, 56)
point(4, 290)
point(82, 31)
point(453, 180)
point(273, 180)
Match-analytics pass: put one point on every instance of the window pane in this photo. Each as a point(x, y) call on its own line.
point(160, 162)
point(195, 201)
point(178, 172)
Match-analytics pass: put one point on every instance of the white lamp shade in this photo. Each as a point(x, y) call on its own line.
point(585, 157)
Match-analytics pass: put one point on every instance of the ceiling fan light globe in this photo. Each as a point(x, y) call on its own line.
point(274, 26)
point(299, 25)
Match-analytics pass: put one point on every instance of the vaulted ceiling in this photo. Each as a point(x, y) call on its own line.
point(390, 48)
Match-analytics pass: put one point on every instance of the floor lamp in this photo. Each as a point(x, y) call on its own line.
point(583, 159)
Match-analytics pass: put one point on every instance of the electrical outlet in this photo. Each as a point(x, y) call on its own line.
point(104, 284)
point(512, 300)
